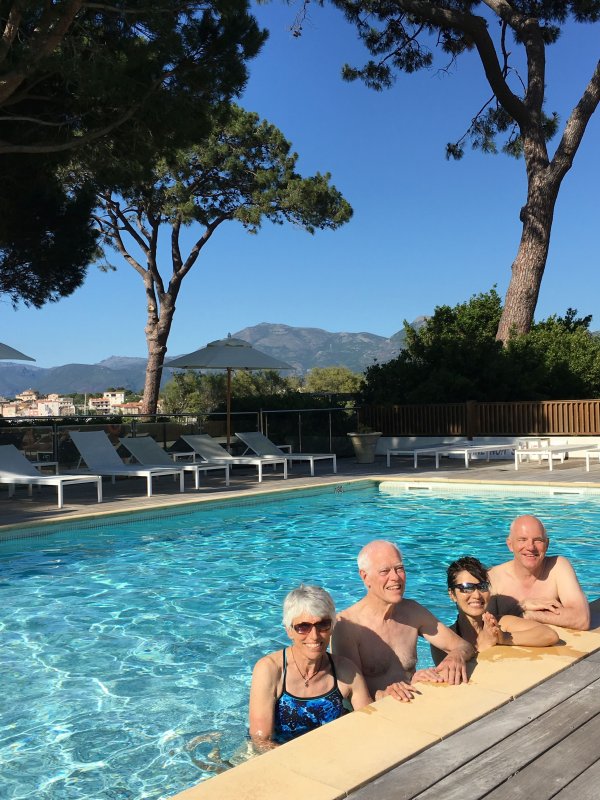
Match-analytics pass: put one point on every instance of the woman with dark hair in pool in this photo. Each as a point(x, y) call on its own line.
point(302, 687)
point(469, 588)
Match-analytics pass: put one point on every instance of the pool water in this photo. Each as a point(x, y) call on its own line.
point(127, 648)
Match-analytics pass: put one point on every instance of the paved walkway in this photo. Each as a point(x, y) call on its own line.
point(129, 494)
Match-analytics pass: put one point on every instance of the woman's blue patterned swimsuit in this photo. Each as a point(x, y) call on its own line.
point(297, 715)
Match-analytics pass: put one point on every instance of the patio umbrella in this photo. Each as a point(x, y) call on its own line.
point(9, 354)
point(228, 354)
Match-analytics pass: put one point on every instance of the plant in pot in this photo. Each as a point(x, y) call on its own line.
point(364, 440)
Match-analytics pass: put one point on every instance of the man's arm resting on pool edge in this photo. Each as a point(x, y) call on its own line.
point(551, 612)
point(570, 610)
point(453, 668)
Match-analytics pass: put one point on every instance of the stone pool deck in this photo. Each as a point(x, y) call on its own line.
point(129, 494)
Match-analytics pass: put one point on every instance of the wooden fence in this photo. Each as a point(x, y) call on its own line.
point(547, 417)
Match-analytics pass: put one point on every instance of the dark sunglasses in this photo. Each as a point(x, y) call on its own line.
point(304, 628)
point(469, 588)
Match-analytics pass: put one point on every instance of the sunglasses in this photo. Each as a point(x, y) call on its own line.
point(304, 628)
point(469, 588)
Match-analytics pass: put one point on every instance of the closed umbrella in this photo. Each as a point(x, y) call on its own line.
point(228, 354)
point(9, 354)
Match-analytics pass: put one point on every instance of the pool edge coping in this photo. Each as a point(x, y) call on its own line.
point(260, 492)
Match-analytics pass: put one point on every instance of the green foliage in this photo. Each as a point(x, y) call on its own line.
point(455, 357)
point(113, 75)
point(100, 88)
point(192, 391)
point(332, 380)
point(508, 41)
point(243, 171)
point(46, 236)
point(403, 37)
point(203, 393)
point(262, 383)
point(558, 359)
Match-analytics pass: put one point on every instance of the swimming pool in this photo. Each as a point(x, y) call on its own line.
point(127, 648)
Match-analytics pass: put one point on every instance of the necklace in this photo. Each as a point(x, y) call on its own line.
point(306, 678)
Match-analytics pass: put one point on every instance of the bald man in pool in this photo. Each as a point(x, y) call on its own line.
point(534, 585)
point(380, 632)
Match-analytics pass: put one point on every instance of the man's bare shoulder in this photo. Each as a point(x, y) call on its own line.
point(411, 608)
point(498, 572)
point(498, 569)
point(410, 612)
point(352, 613)
point(558, 564)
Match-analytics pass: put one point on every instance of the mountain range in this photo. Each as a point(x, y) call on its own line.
point(303, 348)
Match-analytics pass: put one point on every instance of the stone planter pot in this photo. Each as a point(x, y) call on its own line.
point(364, 446)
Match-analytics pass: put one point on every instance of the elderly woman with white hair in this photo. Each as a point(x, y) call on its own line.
point(302, 687)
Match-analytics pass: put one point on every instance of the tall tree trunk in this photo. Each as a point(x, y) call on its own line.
point(544, 179)
point(157, 350)
point(529, 265)
point(158, 327)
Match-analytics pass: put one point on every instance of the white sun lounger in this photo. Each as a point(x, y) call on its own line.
point(558, 450)
point(205, 446)
point(464, 449)
point(425, 451)
point(150, 454)
point(259, 444)
point(15, 469)
point(102, 458)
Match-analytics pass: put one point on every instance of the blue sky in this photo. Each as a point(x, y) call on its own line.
point(425, 231)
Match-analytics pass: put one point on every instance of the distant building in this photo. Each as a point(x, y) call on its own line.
point(28, 396)
point(129, 409)
point(10, 409)
point(99, 404)
point(45, 407)
point(115, 398)
point(30, 404)
point(108, 403)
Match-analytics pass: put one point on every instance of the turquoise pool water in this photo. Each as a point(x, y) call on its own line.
point(127, 648)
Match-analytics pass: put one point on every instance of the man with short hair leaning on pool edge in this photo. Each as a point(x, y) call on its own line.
point(379, 633)
point(534, 585)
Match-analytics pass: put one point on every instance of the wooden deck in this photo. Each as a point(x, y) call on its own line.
point(544, 744)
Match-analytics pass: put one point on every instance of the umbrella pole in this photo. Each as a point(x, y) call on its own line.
point(228, 409)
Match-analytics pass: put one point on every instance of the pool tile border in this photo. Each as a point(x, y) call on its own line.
point(113, 518)
point(190, 505)
point(401, 486)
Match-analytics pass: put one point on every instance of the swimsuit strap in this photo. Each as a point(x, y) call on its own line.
point(333, 672)
point(283, 689)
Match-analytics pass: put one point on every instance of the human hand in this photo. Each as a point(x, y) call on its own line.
point(491, 634)
point(453, 669)
point(532, 604)
point(401, 691)
point(427, 676)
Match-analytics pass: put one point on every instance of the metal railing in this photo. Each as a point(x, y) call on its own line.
point(312, 429)
point(307, 429)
